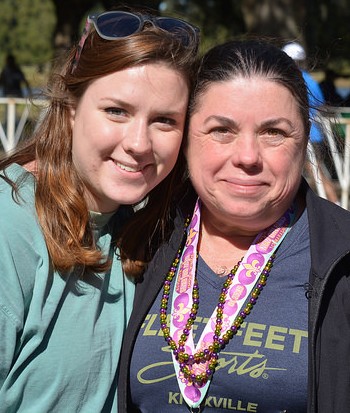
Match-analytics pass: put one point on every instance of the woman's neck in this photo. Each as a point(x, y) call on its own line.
point(222, 247)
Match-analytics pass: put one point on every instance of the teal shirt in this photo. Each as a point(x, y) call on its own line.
point(60, 338)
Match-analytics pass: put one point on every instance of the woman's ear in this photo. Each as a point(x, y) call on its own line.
point(72, 116)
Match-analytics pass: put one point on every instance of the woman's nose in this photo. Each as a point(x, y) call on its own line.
point(137, 138)
point(246, 151)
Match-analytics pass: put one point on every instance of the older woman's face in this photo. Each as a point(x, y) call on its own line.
point(246, 151)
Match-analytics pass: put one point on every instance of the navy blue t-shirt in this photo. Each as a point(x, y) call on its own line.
point(263, 369)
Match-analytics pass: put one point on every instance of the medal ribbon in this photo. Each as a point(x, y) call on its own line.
point(243, 283)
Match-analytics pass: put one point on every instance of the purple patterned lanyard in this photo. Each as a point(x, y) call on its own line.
point(243, 283)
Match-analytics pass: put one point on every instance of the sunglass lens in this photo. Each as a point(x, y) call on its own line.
point(114, 25)
point(177, 27)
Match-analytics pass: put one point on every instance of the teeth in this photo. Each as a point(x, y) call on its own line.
point(127, 168)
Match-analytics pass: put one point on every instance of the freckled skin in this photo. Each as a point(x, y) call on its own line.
point(127, 133)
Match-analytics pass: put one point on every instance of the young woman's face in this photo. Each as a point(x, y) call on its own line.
point(127, 132)
point(246, 151)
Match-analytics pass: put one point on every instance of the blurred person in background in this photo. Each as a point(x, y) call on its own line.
point(329, 90)
point(12, 79)
point(316, 101)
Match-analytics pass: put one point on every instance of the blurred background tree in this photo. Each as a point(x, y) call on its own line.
point(38, 30)
point(26, 28)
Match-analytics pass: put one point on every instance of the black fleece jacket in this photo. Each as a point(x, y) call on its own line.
point(329, 303)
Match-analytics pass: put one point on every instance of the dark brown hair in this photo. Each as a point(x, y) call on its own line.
point(248, 58)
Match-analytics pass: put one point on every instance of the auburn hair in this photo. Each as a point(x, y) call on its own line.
point(59, 191)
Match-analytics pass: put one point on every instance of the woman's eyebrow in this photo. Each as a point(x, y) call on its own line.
point(223, 120)
point(276, 122)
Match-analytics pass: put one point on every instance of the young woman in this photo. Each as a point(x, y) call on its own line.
point(111, 133)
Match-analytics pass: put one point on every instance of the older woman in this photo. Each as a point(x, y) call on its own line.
point(246, 307)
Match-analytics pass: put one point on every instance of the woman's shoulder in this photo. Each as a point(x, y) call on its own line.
point(23, 252)
point(329, 211)
point(16, 205)
point(18, 218)
point(329, 228)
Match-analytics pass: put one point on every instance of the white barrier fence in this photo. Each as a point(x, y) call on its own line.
point(16, 113)
point(340, 156)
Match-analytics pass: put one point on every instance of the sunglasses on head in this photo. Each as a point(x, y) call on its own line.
point(114, 25)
